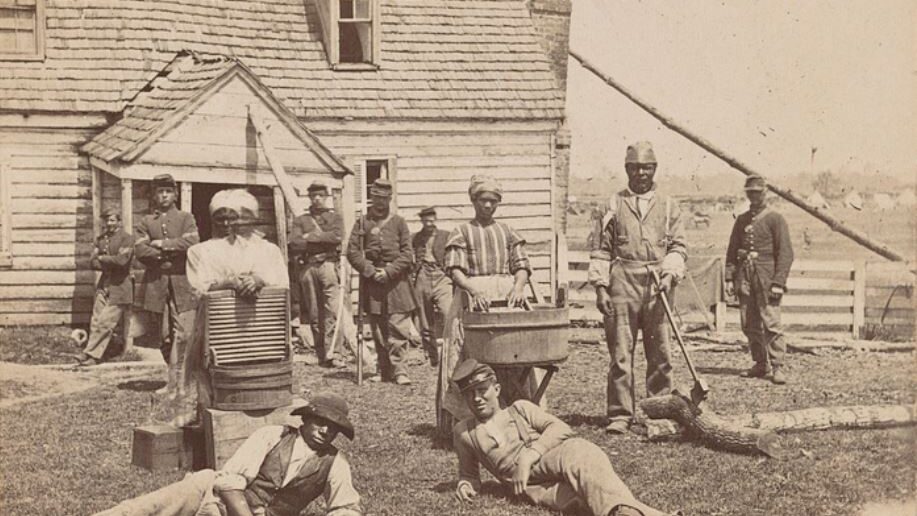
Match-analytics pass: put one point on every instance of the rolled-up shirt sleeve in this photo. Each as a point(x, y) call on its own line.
point(456, 252)
point(601, 247)
point(200, 275)
point(341, 498)
point(518, 259)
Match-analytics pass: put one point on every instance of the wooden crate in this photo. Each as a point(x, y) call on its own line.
point(164, 447)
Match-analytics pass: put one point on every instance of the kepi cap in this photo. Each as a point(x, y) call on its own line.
point(111, 210)
point(640, 152)
point(429, 210)
point(381, 188)
point(329, 407)
point(755, 182)
point(471, 373)
point(163, 180)
point(318, 186)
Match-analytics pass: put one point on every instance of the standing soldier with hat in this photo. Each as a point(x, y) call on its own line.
point(315, 244)
point(636, 235)
point(112, 255)
point(432, 285)
point(163, 239)
point(758, 261)
point(380, 250)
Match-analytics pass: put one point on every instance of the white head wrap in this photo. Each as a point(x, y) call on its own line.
point(236, 200)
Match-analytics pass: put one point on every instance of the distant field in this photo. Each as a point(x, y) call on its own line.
point(896, 229)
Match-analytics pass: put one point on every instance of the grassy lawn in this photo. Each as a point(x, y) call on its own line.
point(71, 454)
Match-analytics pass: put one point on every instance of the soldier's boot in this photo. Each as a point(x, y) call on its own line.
point(778, 377)
point(759, 370)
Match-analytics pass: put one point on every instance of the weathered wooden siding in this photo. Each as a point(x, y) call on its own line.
point(49, 281)
point(434, 162)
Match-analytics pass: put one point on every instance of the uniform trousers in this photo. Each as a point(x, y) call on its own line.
point(105, 318)
point(176, 329)
point(635, 308)
point(434, 291)
point(391, 333)
point(578, 474)
point(320, 297)
point(760, 318)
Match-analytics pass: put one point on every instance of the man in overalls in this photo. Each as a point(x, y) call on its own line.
point(758, 261)
point(638, 232)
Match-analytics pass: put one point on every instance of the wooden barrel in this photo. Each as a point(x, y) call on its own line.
point(252, 386)
point(518, 338)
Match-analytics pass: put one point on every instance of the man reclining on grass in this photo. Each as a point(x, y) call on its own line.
point(277, 471)
point(533, 452)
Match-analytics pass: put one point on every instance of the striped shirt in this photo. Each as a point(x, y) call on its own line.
point(480, 250)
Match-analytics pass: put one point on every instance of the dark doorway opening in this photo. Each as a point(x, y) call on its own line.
point(201, 193)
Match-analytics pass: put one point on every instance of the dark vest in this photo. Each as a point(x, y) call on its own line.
point(309, 483)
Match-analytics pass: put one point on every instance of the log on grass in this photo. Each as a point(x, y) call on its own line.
point(709, 428)
point(824, 418)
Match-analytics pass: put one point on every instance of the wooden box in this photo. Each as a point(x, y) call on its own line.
point(163, 447)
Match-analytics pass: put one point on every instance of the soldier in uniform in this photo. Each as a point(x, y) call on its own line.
point(432, 285)
point(112, 255)
point(380, 250)
point(163, 239)
point(315, 244)
point(637, 233)
point(758, 261)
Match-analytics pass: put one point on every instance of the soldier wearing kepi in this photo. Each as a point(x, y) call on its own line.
point(112, 255)
point(758, 262)
point(163, 239)
point(315, 242)
point(380, 250)
point(637, 233)
point(432, 285)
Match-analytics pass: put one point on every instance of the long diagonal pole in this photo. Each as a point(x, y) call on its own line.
point(836, 225)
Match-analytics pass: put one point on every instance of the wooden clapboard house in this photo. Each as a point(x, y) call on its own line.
point(98, 96)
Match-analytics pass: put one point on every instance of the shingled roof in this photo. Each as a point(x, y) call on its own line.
point(440, 58)
point(182, 85)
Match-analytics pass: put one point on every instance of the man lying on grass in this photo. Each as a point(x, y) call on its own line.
point(277, 471)
point(533, 452)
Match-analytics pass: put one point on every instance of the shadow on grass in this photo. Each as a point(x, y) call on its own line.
point(428, 431)
point(141, 385)
point(722, 371)
point(577, 420)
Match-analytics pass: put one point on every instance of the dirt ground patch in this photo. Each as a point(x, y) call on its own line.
point(20, 383)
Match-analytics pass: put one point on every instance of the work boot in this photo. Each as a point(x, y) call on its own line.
point(759, 370)
point(778, 377)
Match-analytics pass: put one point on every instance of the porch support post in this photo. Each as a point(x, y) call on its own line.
point(185, 187)
point(127, 222)
point(280, 214)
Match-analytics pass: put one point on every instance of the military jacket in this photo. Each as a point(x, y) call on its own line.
point(164, 267)
point(763, 237)
point(316, 236)
point(113, 257)
point(384, 244)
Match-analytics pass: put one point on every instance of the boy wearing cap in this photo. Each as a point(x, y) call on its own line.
point(637, 234)
point(432, 285)
point(533, 452)
point(163, 239)
point(758, 261)
point(277, 471)
point(315, 245)
point(380, 250)
point(112, 255)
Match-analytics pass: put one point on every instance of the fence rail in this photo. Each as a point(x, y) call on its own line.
point(830, 296)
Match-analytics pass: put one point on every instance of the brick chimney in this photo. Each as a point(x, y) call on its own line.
point(551, 19)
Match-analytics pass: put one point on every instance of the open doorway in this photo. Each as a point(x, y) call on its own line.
point(201, 193)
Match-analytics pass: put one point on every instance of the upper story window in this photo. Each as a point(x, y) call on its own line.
point(351, 33)
point(22, 30)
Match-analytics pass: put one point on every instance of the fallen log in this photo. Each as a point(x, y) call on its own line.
point(803, 420)
point(709, 428)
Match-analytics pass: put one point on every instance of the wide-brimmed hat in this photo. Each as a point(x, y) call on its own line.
point(471, 373)
point(329, 407)
point(755, 182)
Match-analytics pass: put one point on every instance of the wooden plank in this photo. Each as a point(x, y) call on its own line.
point(185, 196)
point(401, 140)
point(511, 187)
point(52, 176)
point(845, 301)
point(52, 249)
point(47, 291)
point(446, 153)
point(40, 306)
point(52, 235)
point(541, 160)
point(19, 277)
point(802, 319)
point(33, 319)
point(280, 219)
point(51, 262)
point(445, 171)
point(796, 283)
point(52, 206)
point(51, 191)
point(328, 128)
point(824, 265)
point(51, 220)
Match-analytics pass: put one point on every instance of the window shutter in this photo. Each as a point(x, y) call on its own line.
point(359, 185)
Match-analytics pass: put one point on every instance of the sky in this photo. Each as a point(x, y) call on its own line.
point(765, 81)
